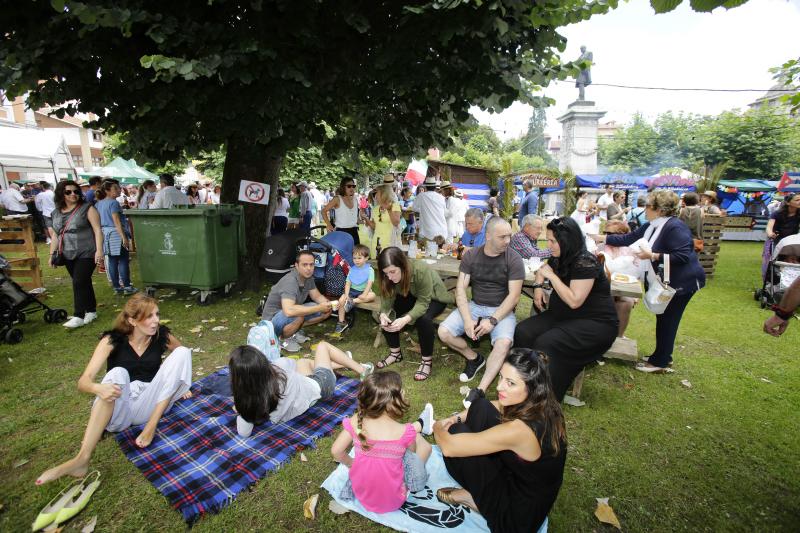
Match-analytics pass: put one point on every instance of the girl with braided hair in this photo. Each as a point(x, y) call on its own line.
point(390, 456)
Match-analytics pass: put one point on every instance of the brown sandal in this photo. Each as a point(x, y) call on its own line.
point(445, 495)
point(383, 363)
point(420, 374)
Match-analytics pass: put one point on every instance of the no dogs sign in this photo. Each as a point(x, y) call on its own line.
point(253, 192)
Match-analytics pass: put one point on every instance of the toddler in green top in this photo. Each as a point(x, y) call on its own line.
point(358, 287)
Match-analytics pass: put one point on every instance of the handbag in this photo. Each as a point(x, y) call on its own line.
point(658, 293)
point(58, 259)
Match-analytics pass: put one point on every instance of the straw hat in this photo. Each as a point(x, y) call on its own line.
point(430, 181)
point(710, 194)
point(388, 179)
point(446, 185)
point(458, 193)
point(303, 184)
point(82, 183)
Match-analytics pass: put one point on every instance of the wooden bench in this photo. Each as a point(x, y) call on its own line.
point(18, 247)
point(623, 348)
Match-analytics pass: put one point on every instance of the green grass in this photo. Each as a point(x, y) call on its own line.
point(721, 456)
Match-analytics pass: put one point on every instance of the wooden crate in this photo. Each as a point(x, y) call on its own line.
point(713, 226)
point(18, 247)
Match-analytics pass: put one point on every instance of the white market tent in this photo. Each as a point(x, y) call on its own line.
point(32, 150)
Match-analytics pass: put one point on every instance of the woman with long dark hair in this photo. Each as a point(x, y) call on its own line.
point(508, 454)
point(580, 323)
point(280, 219)
point(411, 293)
point(345, 210)
point(78, 239)
point(138, 387)
point(284, 388)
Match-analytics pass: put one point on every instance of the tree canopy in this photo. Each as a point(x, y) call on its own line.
point(753, 144)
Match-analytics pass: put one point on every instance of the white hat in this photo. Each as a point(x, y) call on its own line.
point(313, 185)
point(430, 181)
point(303, 184)
point(458, 193)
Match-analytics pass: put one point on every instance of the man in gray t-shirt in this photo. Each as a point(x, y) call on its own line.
point(495, 272)
point(286, 308)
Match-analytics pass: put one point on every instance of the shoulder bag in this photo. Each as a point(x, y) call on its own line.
point(57, 259)
point(658, 293)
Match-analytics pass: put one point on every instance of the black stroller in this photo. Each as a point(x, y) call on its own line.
point(16, 304)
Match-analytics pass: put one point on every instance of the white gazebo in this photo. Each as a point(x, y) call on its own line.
point(32, 151)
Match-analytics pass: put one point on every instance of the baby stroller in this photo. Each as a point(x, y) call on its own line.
point(15, 303)
point(782, 270)
point(333, 255)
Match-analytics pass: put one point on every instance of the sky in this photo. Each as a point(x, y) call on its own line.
point(633, 46)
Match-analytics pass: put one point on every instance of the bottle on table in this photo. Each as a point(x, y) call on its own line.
point(377, 247)
point(460, 250)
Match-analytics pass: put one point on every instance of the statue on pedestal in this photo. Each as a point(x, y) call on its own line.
point(585, 76)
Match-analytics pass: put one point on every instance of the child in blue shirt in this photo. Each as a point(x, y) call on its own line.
point(358, 287)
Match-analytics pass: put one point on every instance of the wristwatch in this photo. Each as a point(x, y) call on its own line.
point(493, 321)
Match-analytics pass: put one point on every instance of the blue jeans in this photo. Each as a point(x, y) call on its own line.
point(280, 321)
point(119, 269)
point(305, 222)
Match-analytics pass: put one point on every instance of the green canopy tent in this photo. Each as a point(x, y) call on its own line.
point(126, 171)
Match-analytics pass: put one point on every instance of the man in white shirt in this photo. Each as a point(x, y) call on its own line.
point(431, 208)
point(14, 202)
point(168, 196)
point(604, 201)
point(319, 200)
point(45, 204)
point(306, 200)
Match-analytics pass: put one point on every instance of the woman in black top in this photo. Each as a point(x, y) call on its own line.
point(580, 323)
point(508, 454)
point(138, 387)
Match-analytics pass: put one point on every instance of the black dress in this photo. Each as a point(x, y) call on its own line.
point(140, 367)
point(573, 338)
point(512, 494)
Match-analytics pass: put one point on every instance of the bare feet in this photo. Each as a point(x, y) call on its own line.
point(74, 467)
point(186, 396)
point(146, 436)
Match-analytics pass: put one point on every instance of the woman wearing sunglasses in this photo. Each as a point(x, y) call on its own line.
point(76, 237)
point(345, 210)
point(385, 221)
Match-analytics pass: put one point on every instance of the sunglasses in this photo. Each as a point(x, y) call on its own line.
point(351, 186)
point(68, 192)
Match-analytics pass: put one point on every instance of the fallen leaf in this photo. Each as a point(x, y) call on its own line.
point(52, 529)
point(303, 457)
point(244, 324)
point(314, 347)
point(686, 383)
point(605, 513)
point(90, 525)
point(245, 299)
point(219, 366)
point(187, 306)
point(765, 380)
point(310, 507)
point(252, 324)
point(464, 390)
point(415, 349)
point(573, 401)
point(224, 321)
point(337, 508)
point(219, 328)
point(628, 386)
point(10, 360)
point(242, 312)
point(21, 462)
point(212, 320)
point(165, 321)
point(196, 329)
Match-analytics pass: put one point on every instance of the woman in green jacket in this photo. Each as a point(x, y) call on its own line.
point(411, 293)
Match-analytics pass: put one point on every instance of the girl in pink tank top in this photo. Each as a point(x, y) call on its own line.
point(389, 455)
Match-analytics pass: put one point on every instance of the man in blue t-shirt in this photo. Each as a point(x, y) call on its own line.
point(474, 228)
point(530, 202)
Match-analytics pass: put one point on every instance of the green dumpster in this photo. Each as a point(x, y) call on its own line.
point(196, 247)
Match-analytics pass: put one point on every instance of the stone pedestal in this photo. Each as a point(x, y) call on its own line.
point(579, 137)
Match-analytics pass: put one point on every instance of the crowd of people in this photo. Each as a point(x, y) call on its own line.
point(508, 455)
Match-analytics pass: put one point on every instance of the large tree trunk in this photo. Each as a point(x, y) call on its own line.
point(253, 162)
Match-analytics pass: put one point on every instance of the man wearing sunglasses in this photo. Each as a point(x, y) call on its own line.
point(495, 272)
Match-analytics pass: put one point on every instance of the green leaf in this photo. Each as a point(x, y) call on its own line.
point(58, 5)
point(664, 6)
point(185, 68)
point(705, 6)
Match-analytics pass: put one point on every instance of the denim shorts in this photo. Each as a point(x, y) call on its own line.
point(326, 380)
point(503, 330)
point(280, 321)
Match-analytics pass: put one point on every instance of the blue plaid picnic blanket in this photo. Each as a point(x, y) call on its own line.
point(199, 462)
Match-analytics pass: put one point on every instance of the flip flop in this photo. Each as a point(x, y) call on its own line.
point(50, 511)
point(88, 486)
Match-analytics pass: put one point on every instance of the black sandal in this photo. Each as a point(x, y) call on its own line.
point(383, 363)
point(426, 361)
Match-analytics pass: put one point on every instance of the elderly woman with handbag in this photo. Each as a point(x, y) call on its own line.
point(76, 241)
point(665, 242)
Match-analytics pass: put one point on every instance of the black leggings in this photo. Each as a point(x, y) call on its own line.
point(353, 232)
point(82, 291)
point(425, 329)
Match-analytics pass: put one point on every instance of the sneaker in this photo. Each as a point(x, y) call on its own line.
point(369, 368)
point(74, 322)
point(340, 327)
point(119, 292)
point(301, 336)
point(89, 317)
point(348, 305)
point(426, 417)
point(473, 395)
point(291, 345)
point(471, 368)
point(127, 291)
